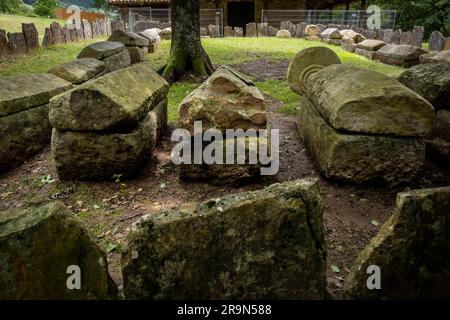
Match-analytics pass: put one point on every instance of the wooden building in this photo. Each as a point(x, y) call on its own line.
point(237, 12)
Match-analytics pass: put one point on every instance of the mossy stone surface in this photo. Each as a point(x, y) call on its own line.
point(19, 93)
point(267, 244)
point(357, 158)
point(115, 101)
point(38, 245)
point(363, 101)
point(79, 71)
point(411, 249)
point(23, 134)
point(101, 155)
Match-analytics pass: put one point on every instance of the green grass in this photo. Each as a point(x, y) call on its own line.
point(42, 60)
point(13, 23)
point(178, 91)
point(280, 90)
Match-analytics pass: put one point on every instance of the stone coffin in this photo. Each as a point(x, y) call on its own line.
point(114, 54)
point(411, 251)
point(402, 55)
point(339, 93)
point(266, 244)
point(108, 126)
point(358, 158)
point(37, 247)
point(443, 56)
point(431, 81)
point(24, 125)
point(367, 48)
point(79, 71)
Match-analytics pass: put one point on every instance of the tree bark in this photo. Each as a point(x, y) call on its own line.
point(186, 52)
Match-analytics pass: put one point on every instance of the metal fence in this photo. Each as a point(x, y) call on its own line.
point(207, 17)
point(325, 17)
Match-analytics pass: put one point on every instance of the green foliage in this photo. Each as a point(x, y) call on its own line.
point(45, 8)
point(10, 6)
point(431, 14)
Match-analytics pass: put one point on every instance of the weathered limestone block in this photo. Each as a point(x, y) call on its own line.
point(358, 158)
point(228, 32)
point(263, 29)
point(396, 36)
point(388, 35)
point(227, 100)
point(4, 48)
point(79, 71)
point(351, 36)
point(438, 142)
point(23, 134)
point(101, 50)
point(251, 30)
point(31, 35)
point(87, 29)
point(331, 33)
point(431, 81)
point(57, 33)
point(221, 173)
point(238, 32)
point(80, 34)
point(406, 38)
point(283, 34)
point(405, 56)
point(371, 34)
point(435, 57)
point(116, 101)
point(339, 92)
point(129, 39)
point(101, 155)
point(266, 244)
point(36, 248)
point(48, 38)
point(16, 43)
point(417, 35)
point(300, 30)
point(436, 41)
point(137, 54)
point(312, 32)
point(214, 31)
point(117, 61)
point(273, 31)
point(289, 26)
point(67, 35)
point(166, 34)
point(411, 251)
point(151, 35)
point(371, 45)
point(19, 93)
point(118, 25)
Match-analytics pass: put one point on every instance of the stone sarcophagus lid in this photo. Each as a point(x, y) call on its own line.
point(360, 126)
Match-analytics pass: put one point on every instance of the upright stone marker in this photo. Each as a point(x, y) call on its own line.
point(300, 30)
point(58, 35)
point(411, 251)
point(228, 32)
point(417, 36)
point(4, 49)
point(405, 38)
point(263, 29)
point(388, 35)
point(31, 35)
point(267, 244)
point(436, 42)
point(87, 28)
point(16, 43)
point(396, 36)
point(289, 26)
point(48, 38)
point(251, 30)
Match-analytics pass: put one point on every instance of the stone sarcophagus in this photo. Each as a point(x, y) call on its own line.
point(108, 126)
point(359, 126)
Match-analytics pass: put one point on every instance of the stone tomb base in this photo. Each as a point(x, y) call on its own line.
point(92, 156)
point(358, 158)
point(227, 173)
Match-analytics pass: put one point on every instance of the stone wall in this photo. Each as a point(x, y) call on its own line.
point(14, 44)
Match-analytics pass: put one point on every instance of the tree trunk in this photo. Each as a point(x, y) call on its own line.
point(186, 52)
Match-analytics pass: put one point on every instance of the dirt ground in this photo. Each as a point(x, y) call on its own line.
point(352, 214)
